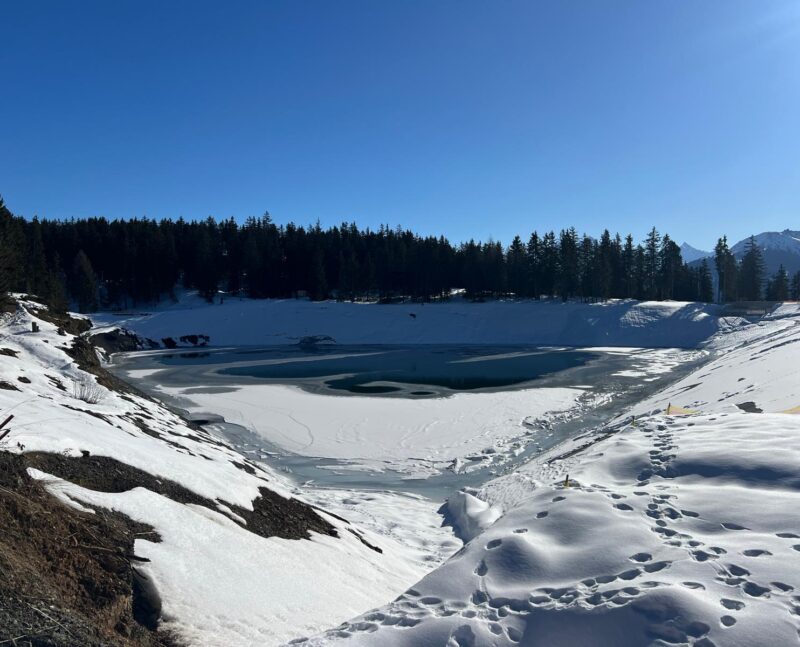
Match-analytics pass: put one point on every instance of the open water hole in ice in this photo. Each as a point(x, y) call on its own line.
point(413, 372)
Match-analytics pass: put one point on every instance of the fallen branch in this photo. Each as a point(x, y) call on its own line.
point(3, 424)
point(51, 619)
point(14, 640)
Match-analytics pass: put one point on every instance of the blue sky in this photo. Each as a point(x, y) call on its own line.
point(470, 119)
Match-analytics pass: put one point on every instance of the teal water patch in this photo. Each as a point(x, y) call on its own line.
point(401, 371)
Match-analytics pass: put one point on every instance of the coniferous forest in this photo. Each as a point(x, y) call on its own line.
point(98, 263)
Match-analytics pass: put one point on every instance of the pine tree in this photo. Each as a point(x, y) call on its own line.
point(516, 263)
point(319, 281)
point(628, 269)
point(533, 257)
point(795, 288)
point(37, 261)
point(587, 269)
point(726, 271)
point(84, 283)
point(550, 264)
point(651, 264)
point(568, 268)
point(751, 272)
point(778, 286)
point(706, 285)
point(605, 266)
point(670, 267)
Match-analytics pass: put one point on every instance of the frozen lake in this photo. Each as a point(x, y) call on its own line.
point(429, 419)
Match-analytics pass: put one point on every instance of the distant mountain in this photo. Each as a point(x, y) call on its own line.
point(778, 247)
point(690, 253)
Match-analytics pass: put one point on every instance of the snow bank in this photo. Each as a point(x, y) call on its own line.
point(468, 515)
point(264, 322)
point(671, 529)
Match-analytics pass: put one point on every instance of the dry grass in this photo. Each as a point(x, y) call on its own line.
point(87, 389)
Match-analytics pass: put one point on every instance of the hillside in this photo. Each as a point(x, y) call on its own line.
point(221, 549)
point(282, 321)
point(678, 528)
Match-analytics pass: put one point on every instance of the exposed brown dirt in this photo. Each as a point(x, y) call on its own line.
point(272, 514)
point(67, 576)
point(72, 325)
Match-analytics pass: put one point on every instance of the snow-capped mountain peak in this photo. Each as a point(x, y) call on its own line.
point(786, 240)
point(690, 253)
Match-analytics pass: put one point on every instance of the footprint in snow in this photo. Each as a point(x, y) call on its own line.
point(494, 544)
point(605, 579)
point(738, 570)
point(656, 566)
point(735, 605)
point(755, 590)
point(733, 526)
point(631, 574)
point(430, 600)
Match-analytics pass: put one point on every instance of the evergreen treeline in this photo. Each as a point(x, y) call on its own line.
point(745, 280)
point(100, 263)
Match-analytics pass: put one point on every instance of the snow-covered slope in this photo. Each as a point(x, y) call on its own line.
point(786, 240)
point(220, 582)
point(246, 321)
point(671, 529)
